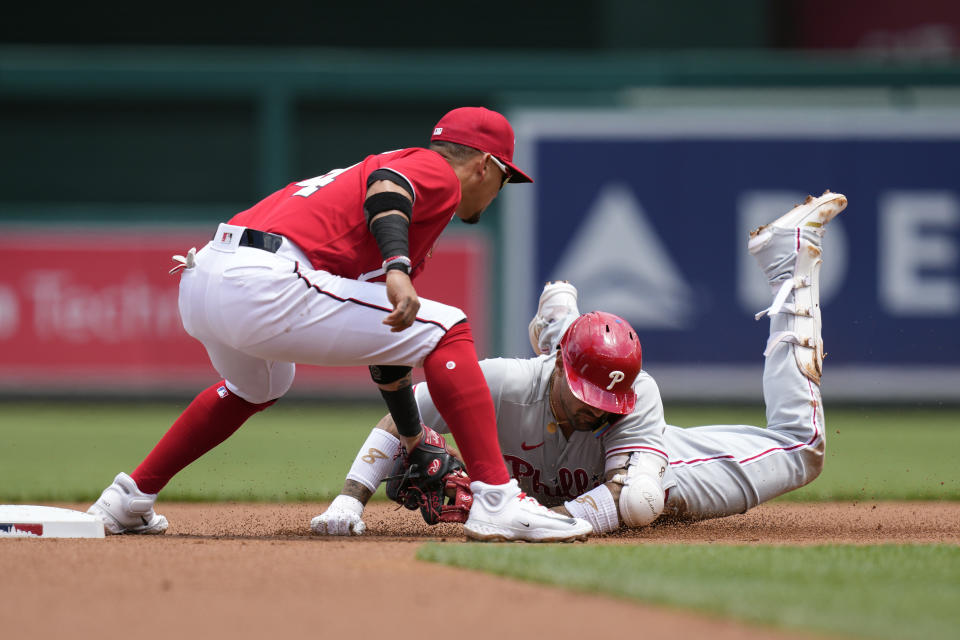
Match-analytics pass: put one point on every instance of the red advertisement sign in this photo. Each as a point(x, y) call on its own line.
point(919, 28)
point(96, 311)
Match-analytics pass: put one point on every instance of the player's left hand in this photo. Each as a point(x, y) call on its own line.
point(403, 297)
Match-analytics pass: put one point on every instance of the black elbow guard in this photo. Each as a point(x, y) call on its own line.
point(391, 176)
point(386, 374)
point(387, 201)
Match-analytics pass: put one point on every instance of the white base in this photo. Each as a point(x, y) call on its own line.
point(29, 521)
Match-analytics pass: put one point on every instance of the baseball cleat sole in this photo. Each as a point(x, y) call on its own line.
point(474, 536)
point(814, 213)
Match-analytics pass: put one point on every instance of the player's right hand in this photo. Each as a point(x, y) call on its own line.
point(403, 297)
point(338, 521)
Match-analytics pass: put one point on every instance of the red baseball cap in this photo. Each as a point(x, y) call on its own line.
point(483, 130)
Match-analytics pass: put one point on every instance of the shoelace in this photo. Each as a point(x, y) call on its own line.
point(188, 261)
point(780, 299)
point(523, 497)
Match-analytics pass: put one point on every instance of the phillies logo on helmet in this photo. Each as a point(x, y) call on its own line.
point(615, 377)
point(433, 468)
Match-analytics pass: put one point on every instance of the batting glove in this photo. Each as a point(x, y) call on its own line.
point(342, 518)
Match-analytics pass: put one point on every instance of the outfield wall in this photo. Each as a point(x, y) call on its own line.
point(94, 311)
point(649, 171)
point(648, 211)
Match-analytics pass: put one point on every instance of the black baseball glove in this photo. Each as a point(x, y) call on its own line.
point(431, 478)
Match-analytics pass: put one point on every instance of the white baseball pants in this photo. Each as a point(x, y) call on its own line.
point(257, 313)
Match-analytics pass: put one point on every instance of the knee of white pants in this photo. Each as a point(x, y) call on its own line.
point(814, 461)
point(264, 384)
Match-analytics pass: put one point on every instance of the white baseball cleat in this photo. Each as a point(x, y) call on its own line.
point(558, 300)
point(789, 252)
point(812, 215)
point(342, 518)
point(502, 513)
point(123, 508)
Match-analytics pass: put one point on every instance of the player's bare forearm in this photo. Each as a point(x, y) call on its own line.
point(403, 297)
point(615, 487)
point(387, 424)
point(356, 490)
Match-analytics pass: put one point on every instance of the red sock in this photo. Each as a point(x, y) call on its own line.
point(462, 397)
point(210, 419)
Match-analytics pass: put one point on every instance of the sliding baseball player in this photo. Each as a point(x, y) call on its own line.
point(608, 457)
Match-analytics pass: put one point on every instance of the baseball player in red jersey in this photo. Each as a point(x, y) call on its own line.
point(320, 273)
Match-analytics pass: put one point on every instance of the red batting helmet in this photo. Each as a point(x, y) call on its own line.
point(602, 357)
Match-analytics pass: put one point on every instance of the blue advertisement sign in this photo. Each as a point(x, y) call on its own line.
point(649, 213)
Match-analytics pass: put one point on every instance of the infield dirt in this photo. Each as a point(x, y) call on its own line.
point(255, 571)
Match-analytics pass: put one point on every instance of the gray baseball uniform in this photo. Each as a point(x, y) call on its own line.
point(710, 471)
point(713, 471)
point(548, 466)
point(721, 470)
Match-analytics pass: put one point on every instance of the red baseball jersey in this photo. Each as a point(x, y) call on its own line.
point(324, 215)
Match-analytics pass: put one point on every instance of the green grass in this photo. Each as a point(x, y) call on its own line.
point(70, 451)
point(52, 452)
point(883, 591)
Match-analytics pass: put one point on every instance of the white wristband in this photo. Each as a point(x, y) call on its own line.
point(375, 459)
point(596, 507)
point(404, 260)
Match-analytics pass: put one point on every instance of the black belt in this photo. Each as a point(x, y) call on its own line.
point(260, 240)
